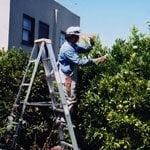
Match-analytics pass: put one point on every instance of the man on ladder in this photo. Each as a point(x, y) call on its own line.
point(69, 60)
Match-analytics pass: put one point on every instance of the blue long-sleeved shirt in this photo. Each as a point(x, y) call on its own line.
point(69, 57)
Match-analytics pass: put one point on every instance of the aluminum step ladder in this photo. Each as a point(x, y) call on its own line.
point(45, 54)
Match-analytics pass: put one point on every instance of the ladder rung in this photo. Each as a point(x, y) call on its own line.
point(15, 123)
point(66, 144)
point(45, 59)
point(38, 103)
point(56, 93)
point(15, 105)
point(25, 84)
point(12, 114)
point(66, 126)
point(59, 110)
point(33, 61)
point(15, 135)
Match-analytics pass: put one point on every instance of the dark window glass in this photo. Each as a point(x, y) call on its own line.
point(43, 30)
point(62, 38)
point(28, 30)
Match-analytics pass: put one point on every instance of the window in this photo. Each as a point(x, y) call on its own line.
point(43, 30)
point(62, 38)
point(28, 30)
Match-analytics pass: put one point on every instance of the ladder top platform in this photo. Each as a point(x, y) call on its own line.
point(39, 41)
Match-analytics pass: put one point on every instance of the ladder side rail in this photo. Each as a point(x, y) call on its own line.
point(23, 80)
point(48, 73)
point(29, 89)
point(56, 72)
point(27, 95)
point(62, 95)
point(32, 52)
point(61, 135)
point(51, 91)
point(32, 79)
point(29, 63)
point(15, 136)
point(17, 98)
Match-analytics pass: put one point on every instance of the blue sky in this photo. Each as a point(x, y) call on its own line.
point(110, 19)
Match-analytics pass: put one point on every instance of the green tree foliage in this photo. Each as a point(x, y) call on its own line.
point(11, 69)
point(12, 65)
point(115, 97)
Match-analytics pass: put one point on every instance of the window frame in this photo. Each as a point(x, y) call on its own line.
point(31, 32)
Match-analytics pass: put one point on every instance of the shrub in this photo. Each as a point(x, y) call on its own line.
point(115, 97)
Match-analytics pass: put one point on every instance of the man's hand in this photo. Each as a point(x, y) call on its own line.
point(101, 59)
point(92, 39)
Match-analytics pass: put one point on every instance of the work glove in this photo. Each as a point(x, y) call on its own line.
point(101, 59)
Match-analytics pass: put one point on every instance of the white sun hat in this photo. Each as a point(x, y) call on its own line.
point(73, 30)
